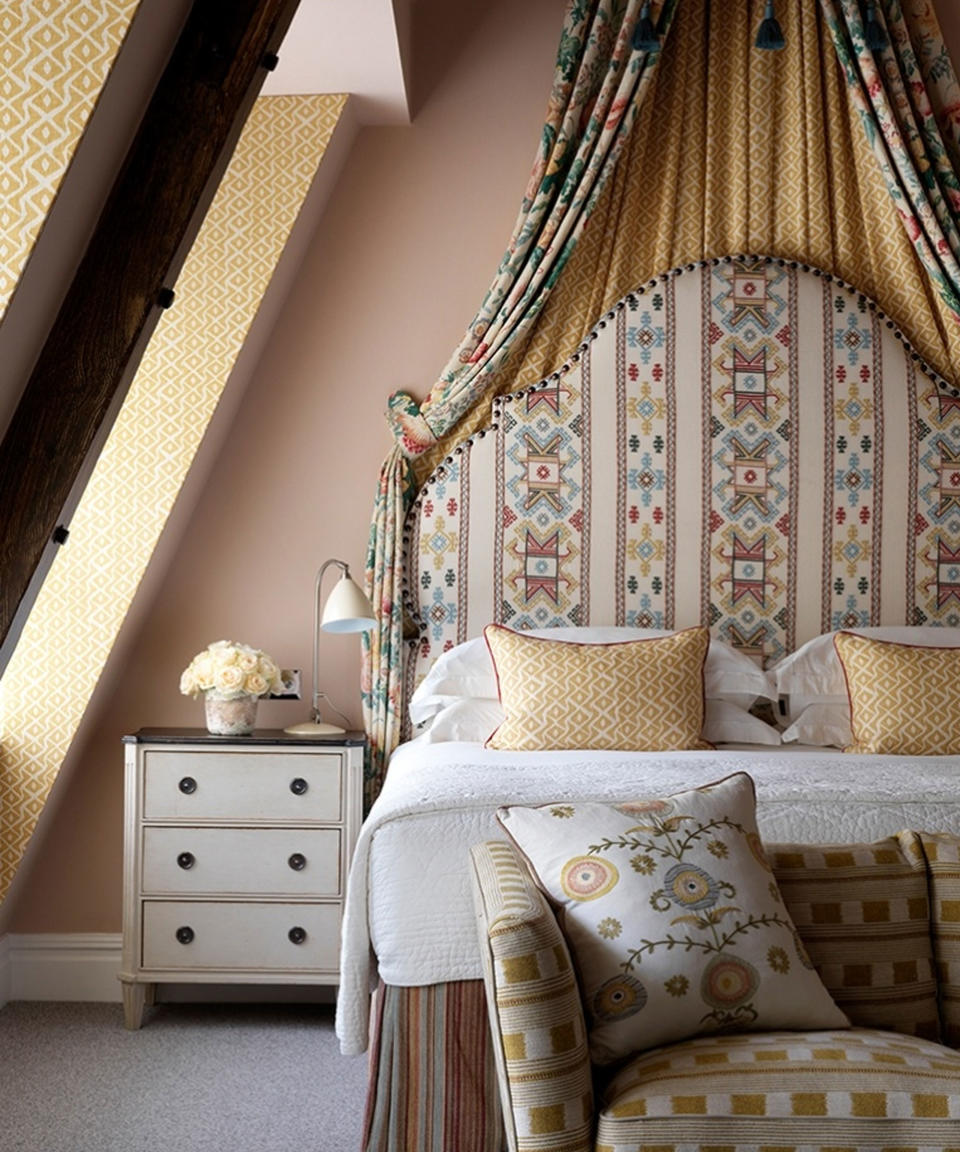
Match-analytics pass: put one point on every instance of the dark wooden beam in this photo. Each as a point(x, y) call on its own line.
point(151, 217)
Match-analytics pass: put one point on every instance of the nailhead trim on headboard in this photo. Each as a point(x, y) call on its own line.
point(631, 301)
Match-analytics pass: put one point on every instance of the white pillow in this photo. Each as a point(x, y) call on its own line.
point(473, 720)
point(727, 723)
point(825, 725)
point(469, 719)
point(814, 670)
point(467, 670)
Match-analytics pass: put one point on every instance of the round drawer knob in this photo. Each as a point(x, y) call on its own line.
point(298, 786)
point(185, 934)
point(297, 861)
point(297, 935)
point(187, 785)
point(186, 860)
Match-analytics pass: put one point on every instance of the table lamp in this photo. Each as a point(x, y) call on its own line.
point(347, 610)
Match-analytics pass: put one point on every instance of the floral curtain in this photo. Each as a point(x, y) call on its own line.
point(908, 101)
point(600, 82)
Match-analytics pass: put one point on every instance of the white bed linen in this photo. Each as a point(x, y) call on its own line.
point(408, 896)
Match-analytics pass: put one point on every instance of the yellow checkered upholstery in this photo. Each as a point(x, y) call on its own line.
point(943, 864)
point(863, 912)
point(870, 916)
point(542, 1062)
point(794, 1090)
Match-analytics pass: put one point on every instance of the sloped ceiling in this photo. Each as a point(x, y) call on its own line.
point(355, 46)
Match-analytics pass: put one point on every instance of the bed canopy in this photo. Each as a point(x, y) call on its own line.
point(828, 153)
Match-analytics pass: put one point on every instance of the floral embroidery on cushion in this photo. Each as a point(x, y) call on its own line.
point(643, 807)
point(587, 878)
point(727, 985)
point(778, 959)
point(690, 887)
point(609, 928)
point(619, 997)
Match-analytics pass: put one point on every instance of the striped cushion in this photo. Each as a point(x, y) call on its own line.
point(534, 1001)
point(943, 861)
point(856, 1090)
point(863, 913)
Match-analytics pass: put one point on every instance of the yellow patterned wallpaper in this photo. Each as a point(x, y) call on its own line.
point(54, 58)
point(81, 606)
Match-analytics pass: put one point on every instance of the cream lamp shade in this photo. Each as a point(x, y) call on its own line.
point(347, 609)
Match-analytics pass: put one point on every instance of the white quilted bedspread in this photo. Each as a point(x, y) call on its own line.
point(408, 896)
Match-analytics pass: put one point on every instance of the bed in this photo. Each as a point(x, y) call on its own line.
point(743, 446)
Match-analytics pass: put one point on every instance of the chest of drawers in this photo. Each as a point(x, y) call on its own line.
point(236, 853)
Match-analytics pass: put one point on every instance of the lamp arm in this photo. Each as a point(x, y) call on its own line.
point(345, 569)
point(333, 708)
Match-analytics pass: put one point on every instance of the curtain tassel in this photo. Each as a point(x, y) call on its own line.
point(875, 36)
point(645, 37)
point(770, 34)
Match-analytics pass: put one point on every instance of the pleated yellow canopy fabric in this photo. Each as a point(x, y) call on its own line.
point(740, 150)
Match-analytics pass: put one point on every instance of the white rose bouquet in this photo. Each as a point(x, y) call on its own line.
point(229, 671)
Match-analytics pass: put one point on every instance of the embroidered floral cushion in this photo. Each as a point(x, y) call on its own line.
point(674, 917)
point(644, 694)
point(904, 698)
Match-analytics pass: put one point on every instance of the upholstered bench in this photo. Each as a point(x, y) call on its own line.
point(881, 923)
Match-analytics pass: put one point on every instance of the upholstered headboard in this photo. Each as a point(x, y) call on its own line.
point(745, 443)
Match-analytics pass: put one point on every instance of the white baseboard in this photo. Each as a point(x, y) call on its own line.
point(60, 966)
point(84, 966)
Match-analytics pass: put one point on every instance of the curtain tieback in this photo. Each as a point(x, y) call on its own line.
point(410, 428)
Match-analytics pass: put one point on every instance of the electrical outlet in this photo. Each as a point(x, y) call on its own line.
point(291, 685)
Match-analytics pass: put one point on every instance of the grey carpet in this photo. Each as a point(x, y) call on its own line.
point(195, 1078)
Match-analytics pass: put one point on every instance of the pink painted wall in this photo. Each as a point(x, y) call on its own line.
point(390, 278)
point(392, 275)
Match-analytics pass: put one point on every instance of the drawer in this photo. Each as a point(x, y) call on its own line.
point(240, 936)
point(242, 861)
point(232, 785)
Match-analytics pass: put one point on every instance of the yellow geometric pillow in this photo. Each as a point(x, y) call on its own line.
point(643, 694)
point(904, 700)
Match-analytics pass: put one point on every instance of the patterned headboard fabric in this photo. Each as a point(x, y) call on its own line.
point(745, 443)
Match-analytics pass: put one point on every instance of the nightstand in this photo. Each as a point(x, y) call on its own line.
point(235, 859)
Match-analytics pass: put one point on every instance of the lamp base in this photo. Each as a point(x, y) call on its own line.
point(314, 728)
